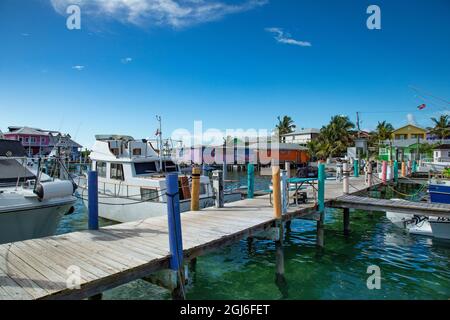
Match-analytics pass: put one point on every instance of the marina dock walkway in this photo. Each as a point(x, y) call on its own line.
point(115, 255)
point(402, 206)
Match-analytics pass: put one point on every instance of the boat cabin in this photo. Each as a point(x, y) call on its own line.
point(129, 168)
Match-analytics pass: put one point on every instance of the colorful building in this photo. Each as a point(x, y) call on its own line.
point(38, 142)
point(409, 132)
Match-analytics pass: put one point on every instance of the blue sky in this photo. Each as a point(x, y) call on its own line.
point(216, 61)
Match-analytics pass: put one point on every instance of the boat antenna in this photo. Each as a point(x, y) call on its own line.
point(158, 118)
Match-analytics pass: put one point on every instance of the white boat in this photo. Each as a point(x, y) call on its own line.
point(31, 205)
point(131, 180)
point(420, 225)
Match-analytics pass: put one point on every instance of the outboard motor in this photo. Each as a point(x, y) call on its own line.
point(55, 189)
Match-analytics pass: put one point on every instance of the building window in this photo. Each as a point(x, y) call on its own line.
point(117, 172)
point(149, 195)
point(32, 139)
point(101, 169)
point(27, 139)
point(137, 152)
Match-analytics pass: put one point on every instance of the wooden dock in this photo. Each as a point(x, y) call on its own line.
point(115, 255)
point(402, 206)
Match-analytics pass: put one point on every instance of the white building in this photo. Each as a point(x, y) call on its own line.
point(442, 153)
point(302, 136)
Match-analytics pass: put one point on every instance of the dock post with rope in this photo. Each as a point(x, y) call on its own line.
point(321, 204)
point(403, 169)
point(93, 200)
point(395, 171)
point(195, 194)
point(384, 172)
point(356, 168)
point(250, 180)
point(173, 278)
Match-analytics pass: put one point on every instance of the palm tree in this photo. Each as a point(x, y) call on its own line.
point(441, 127)
point(335, 138)
point(384, 131)
point(285, 126)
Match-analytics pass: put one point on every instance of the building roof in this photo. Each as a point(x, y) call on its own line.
point(303, 131)
point(27, 130)
point(410, 125)
point(443, 147)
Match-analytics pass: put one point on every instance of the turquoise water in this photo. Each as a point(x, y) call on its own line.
point(412, 267)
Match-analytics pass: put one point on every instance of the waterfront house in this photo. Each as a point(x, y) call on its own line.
point(409, 132)
point(441, 153)
point(407, 149)
point(301, 137)
point(39, 142)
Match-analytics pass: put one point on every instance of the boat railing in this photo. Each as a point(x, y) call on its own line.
point(118, 189)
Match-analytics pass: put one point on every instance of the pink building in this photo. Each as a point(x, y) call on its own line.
point(41, 142)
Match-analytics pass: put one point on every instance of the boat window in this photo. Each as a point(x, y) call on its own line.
point(101, 169)
point(145, 168)
point(202, 188)
point(169, 166)
point(115, 151)
point(137, 152)
point(117, 171)
point(150, 195)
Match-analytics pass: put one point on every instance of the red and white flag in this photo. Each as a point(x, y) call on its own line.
point(422, 106)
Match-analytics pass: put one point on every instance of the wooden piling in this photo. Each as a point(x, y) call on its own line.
point(218, 186)
point(403, 169)
point(284, 192)
point(369, 175)
point(384, 172)
point(321, 200)
point(93, 200)
point(250, 180)
point(356, 168)
point(395, 171)
point(276, 192)
point(346, 177)
point(195, 194)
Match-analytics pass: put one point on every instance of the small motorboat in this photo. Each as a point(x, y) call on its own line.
point(31, 203)
point(436, 227)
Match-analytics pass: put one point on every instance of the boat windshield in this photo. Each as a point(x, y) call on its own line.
point(142, 168)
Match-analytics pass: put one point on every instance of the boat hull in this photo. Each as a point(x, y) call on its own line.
point(33, 222)
point(441, 229)
point(439, 193)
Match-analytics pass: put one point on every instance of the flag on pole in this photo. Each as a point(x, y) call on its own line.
point(157, 133)
point(422, 106)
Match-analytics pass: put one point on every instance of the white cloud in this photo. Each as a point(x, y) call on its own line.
point(286, 38)
point(126, 60)
point(411, 119)
point(78, 68)
point(175, 13)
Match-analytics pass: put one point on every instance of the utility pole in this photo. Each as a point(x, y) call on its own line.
point(158, 118)
point(358, 125)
